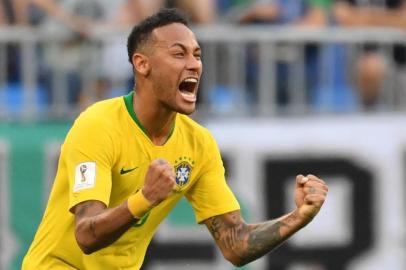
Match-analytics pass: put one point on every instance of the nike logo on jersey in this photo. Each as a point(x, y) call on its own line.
point(123, 171)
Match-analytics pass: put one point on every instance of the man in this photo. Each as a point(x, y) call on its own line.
point(306, 13)
point(127, 161)
point(372, 66)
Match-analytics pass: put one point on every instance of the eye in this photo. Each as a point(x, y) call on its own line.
point(179, 54)
point(198, 56)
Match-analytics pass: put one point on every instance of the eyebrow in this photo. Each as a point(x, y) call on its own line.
point(184, 47)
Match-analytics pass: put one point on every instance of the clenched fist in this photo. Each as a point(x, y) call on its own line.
point(310, 194)
point(160, 181)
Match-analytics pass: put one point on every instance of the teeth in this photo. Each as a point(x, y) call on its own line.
point(188, 94)
point(192, 80)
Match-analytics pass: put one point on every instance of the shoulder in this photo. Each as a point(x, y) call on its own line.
point(98, 120)
point(105, 112)
point(191, 127)
point(103, 108)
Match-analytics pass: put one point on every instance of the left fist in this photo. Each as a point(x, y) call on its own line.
point(310, 194)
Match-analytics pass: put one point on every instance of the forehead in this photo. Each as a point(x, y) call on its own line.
point(174, 33)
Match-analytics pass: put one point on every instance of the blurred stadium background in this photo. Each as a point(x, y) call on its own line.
point(289, 86)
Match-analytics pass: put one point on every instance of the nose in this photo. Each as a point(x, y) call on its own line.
point(193, 63)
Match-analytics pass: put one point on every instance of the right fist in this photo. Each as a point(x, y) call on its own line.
point(160, 181)
point(310, 194)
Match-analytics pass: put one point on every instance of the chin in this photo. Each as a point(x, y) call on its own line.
point(187, 110)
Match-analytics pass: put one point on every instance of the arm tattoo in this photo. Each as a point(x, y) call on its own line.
point(249, 242)
point(229, 231)
point(214, 227)
point(93, 227)
point(83, 209)
point(81, 213)
point(266, 236)
point(263, 238)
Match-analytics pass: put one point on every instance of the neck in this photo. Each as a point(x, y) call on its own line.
point(158, 122)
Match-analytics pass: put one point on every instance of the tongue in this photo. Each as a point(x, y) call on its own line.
point(188, 96)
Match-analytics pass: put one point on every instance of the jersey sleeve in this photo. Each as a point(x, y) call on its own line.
point(211, 196)
point(88, 151)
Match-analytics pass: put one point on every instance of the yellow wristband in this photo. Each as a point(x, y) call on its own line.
point(138, 205)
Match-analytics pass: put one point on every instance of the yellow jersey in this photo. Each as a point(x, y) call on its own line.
point(105, 157)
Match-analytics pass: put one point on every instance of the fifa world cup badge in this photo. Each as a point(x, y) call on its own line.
point(83, 169)
point(85, 176)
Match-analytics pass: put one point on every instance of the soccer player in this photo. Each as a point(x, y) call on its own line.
point(127, 161)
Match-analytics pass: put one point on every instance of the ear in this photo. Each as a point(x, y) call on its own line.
point(141, 64)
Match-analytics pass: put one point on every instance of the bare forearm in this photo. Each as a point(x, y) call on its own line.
point(2, 16)
point(381, 17)
point(261, 12)
point(242, 243)
point(20, 9)
point(104, 227)
point(54, 10)
point(315, 17)
point(387, 18)
point(98, 227)
point(266, 236)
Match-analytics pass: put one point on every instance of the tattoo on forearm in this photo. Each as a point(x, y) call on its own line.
point(83, 208)
point(249, 242)
point(215, 226)
point(263, 238)
point(93, 227)
point(290, 220)
point(229, 231)
point(82, 211)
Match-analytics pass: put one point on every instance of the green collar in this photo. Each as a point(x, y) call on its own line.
point(128, 100)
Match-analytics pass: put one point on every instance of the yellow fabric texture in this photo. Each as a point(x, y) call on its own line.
point(108, 135)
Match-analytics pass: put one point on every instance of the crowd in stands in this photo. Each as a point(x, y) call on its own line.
point(339, 92)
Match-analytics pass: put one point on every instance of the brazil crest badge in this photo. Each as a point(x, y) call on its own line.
point(183, 170)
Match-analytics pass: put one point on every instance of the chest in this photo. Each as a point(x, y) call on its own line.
point(134, 157)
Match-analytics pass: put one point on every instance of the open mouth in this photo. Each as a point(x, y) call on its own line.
point(188, 88)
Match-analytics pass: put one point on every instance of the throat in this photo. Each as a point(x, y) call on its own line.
point(159, 141)
point(160, 138)
point(158, 125)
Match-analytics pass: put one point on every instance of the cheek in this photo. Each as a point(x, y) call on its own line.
point(165, 72)
point(160, 77)
point(165, 85)
point(165, 75)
